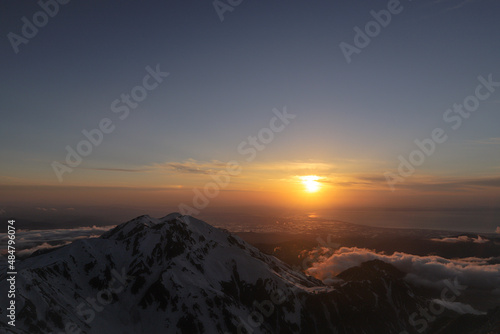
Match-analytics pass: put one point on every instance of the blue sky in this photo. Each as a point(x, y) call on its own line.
point(353, 120)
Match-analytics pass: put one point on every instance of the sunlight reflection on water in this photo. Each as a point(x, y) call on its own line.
point(466, 221)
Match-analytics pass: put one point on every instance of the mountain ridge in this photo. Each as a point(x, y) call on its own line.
point(178, 274)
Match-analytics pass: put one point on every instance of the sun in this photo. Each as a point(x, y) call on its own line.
point(311, 183)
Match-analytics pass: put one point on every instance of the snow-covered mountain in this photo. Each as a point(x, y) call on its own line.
point(178, 274)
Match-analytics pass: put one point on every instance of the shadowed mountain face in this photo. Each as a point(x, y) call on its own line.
point(178, 274)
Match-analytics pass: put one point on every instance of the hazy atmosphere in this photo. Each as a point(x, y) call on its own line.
point(285, 117)
point(354, 114)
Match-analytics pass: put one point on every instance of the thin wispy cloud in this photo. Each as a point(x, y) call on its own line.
point(81, 187)
point(489, 141)
point(423, 183)
point(46, 209)
point(192, 166)
point(112, 169)
point(461, 4)
point(462, 238)
point(453, 5)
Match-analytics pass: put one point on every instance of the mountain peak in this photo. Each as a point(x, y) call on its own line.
point(132, 226)
point(371, 270)
point(180, 274)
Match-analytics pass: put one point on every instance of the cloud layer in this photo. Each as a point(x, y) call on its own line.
point(462, 238)
point(29, 241)
point(432, 271)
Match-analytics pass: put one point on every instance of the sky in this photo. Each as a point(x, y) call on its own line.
point(172, 93)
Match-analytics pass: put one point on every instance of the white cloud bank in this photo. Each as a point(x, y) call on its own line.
point(430, 271)
point(29, 241)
